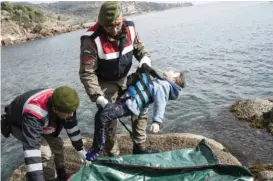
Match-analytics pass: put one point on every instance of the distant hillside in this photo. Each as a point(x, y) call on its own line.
point(23, 21)
point(23, 3)
point(77, 12)
point(86, 11)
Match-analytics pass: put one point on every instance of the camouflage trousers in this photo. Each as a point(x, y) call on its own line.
point(49, 146)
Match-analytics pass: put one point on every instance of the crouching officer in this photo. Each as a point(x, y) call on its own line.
point(36, 118)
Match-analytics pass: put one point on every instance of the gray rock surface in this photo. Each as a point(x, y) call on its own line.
point(258, 112)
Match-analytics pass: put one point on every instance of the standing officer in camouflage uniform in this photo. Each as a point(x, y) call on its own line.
point(107, 51)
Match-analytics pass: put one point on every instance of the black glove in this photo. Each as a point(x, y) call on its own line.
point(5, 126)
point(149, 70)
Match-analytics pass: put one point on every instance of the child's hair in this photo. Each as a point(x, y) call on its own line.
point(180, 80)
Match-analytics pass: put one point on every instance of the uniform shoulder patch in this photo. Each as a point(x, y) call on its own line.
point(87, 60)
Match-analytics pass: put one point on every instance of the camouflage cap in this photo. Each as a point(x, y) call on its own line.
point(65, 99)
point(109, 11)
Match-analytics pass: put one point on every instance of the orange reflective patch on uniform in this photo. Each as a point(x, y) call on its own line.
point(87, 60)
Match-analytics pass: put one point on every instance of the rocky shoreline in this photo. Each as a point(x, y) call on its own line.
point(259, 113)
point(41, 33)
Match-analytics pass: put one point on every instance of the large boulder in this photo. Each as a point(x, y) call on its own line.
point(164, 142)
point(258, 112)
point(265, 175)
point(263, 172)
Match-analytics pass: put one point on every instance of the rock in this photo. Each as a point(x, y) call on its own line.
point(68, 29)
point(164, 142)
point(248, 108)
point(46, 32)
point(265, 176)
point(43, 32)
point(258, 112)
point(30, 37)
point(6, 41)
point(39, 36)
point(18, 41)
point(76, 27)
point(263, 172)
point(59, 30)
point(37, 28)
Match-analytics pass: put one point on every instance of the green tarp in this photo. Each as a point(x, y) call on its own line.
point(193, 164)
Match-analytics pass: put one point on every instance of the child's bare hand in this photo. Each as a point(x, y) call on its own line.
point(154, 128)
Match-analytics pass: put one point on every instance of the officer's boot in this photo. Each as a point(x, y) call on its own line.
point(140, 148)
point(61, 173)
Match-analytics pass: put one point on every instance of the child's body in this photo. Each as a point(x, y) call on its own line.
point(135, 101)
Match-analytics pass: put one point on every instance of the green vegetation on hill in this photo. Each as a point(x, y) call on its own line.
point(25, 15)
